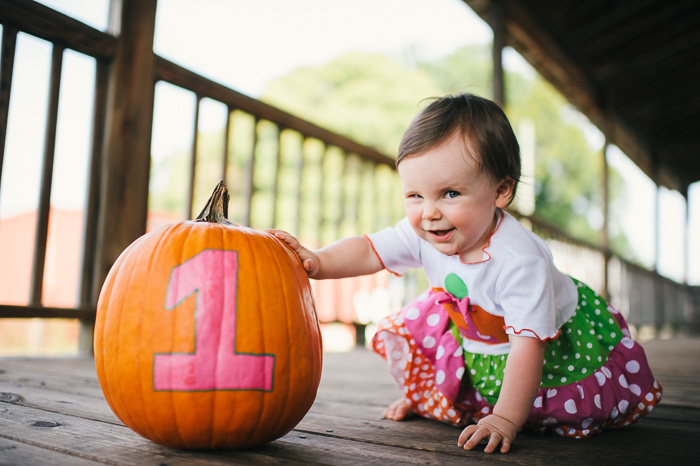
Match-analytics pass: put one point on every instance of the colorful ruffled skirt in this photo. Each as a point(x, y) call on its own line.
point(594, 376)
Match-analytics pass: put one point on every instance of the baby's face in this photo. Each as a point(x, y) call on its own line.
point(449, 202)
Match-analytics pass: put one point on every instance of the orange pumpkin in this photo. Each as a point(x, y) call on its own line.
point(206, 335)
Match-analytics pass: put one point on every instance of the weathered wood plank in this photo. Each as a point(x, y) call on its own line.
point(53, 408)
point(95, 441)
point(78, 374)
point(50, 400)
point(99, 441)
point(23, 454)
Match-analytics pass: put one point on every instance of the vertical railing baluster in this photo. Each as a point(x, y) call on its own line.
point(398, 205)
point(42, 222)
point(357, 198)
point(376, 211)
point(322, 193)
point(276, 180)
point(193, 160)
point(368, 208)
point(342, 193)
point(7, 65)
point(250, 177)
point(92, 202)
point(300, 187)
point(227, 136)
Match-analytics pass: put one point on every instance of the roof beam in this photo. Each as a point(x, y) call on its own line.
point(526, 34)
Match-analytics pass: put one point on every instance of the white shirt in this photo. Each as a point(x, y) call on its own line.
point(516, 279)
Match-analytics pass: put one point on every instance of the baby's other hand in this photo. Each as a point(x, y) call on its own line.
point(309, 260)
point(495, 428)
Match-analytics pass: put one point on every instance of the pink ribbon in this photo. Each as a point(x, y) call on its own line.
point(471, 332)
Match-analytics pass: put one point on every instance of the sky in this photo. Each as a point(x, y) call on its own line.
point(246, 44)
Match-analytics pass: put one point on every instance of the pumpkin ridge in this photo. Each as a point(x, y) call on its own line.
point(190, 242)
point(290, 333)
point(153, 240)
point(113, 276)
point(305, 319)
point(213, 440)
point(161, 243)
point(252, 434)
point(170, 396)
point(221, 396)
point(100, 326)
point(127, 274)
point(282, 415)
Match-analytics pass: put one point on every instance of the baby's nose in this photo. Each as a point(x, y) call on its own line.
point(431, 212)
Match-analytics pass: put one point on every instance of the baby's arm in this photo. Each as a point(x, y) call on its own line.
point(521, 380)
point(348, 257)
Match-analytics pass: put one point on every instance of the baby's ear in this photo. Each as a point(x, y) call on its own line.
point(504, 192)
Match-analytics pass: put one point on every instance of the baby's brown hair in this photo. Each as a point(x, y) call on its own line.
point(480, 122)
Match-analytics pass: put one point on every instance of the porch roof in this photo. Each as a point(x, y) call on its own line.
point(632, 67)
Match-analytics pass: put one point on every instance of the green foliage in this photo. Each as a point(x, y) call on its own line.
point(365, 97)
point(568, 171)
point(467, 69)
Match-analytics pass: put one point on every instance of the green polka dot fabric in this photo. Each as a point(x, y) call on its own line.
point(581, 348)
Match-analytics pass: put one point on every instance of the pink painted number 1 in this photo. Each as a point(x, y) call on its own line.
point(214, 365)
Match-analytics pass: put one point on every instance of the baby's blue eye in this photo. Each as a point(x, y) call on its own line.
point(451, 194)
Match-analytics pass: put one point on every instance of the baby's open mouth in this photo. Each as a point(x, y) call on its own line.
point(440, 233)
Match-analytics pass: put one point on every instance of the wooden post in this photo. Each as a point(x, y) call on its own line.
point(659, 314)
point(499, 42)
point(686, 237)
point(127, 145)
point(7, 65)
point(606, 216)
point(193, 161)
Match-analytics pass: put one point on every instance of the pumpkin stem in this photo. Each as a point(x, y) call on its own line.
point(216, 209)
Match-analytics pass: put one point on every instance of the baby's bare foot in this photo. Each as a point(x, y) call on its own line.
point(398, 410)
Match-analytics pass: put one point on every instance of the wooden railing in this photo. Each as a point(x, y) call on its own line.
point(646, 299)
point(351, 188)
point(62, 32)
point(337, 176)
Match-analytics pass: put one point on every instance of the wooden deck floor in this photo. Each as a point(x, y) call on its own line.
point(52, 412)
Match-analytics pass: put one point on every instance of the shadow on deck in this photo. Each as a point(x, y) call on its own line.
point(52, 412)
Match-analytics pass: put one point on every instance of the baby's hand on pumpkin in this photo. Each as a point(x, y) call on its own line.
point(309, 260)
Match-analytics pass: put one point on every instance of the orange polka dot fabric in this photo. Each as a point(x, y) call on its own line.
point(414, 374)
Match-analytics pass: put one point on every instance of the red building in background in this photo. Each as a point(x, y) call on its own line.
point(62, 257)
point(336, 300)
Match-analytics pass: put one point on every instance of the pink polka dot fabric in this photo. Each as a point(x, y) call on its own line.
point(428, 365)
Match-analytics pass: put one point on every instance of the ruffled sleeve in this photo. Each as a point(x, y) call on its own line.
point(526, 292)
point(398, 248)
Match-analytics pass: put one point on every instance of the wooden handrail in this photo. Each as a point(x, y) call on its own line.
point(203, 87)
point(41, 21)
point(11, 311)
